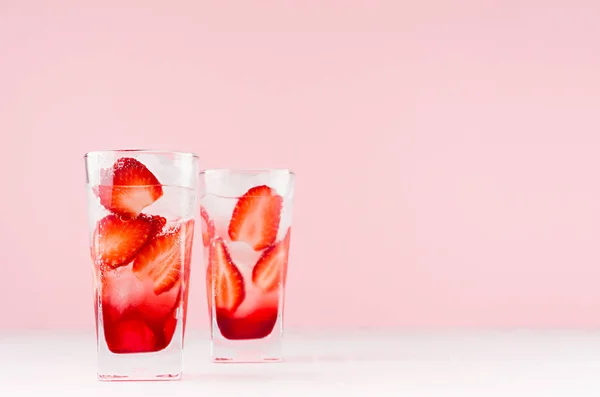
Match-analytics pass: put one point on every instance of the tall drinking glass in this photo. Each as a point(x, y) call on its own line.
point(141, 207)
point(246, 228)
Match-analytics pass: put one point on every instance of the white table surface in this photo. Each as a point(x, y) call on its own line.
point(360, 363)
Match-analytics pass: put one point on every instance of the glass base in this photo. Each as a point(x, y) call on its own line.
point(166, 364)
point(264, 350)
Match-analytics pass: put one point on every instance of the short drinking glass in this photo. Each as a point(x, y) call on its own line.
point(141, 207)
point(246, 228)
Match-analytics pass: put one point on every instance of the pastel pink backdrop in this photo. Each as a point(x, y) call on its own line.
point(447, 152)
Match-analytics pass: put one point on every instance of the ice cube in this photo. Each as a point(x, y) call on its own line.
point(226, 183)
point(230, 183)
point(280, 181)
point(219, 210)
point(243, 255)
point(176, 203)
point(121, 291)
point(155, 308)
point(172, 169)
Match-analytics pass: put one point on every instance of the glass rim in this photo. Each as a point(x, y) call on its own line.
point(248, 170)
point(140, 151)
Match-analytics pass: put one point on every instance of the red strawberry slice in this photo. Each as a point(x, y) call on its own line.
point(223, 279)
point(128, 187)
point(117, 240)
point(256, 217)
point(208, 227)
point(271, 267)
point(161, 260)
point(156, 221)
point(124, 296)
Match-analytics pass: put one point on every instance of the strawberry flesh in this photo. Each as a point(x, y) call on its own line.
point(256, 217)
point(271, 267)
point(117, 240)
point(156, 221)
point(128, 187)
point(161, 260)
point(224, 280)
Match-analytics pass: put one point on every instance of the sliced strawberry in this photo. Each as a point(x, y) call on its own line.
point(256, 217)
point(117, 240)
point(271, 267)
point(157, 222)
point(161, 260)
point(128, 187)
point(208, 227)
point(224, 280)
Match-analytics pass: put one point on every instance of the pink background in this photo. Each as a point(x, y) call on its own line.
point(447, 152)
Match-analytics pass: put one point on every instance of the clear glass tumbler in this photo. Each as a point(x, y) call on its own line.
point(246, 228)
point(141, 207)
